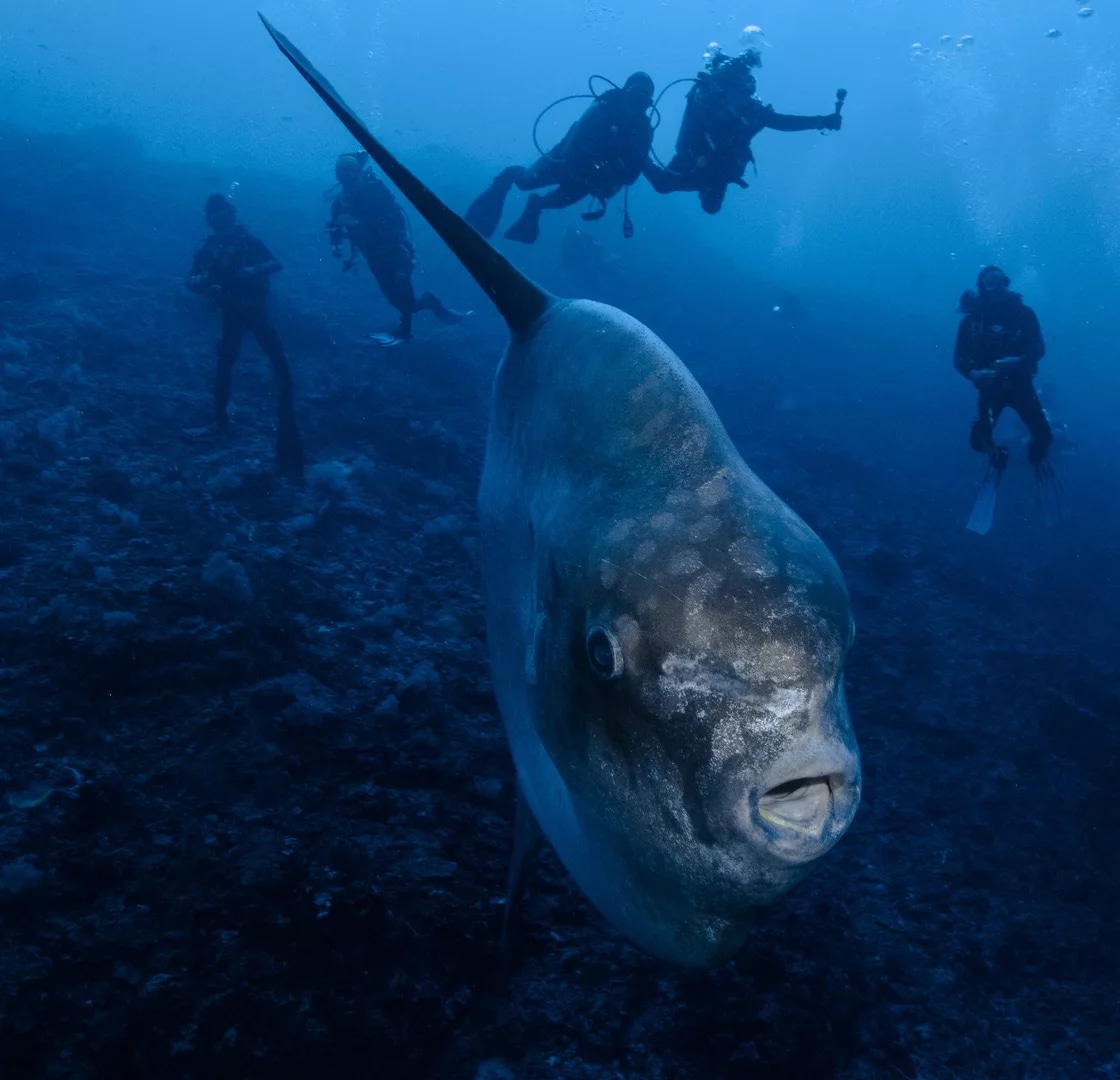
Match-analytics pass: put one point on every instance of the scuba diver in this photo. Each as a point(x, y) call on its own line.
point(722, 115)
point(233, 268)
point(999, 345)
point(602, 152)
point(366, 214)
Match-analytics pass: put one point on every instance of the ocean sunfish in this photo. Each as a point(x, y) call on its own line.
point(666, 637)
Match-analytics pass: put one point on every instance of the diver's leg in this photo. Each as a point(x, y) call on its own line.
point(545, 172)
point(981, 438)
point(486, 211)
point(233, 329)
point(289, 445)
point(527, 228)
point(393, 272)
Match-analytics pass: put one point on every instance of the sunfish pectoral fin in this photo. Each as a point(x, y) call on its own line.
point(539, 625)
point(520, 301)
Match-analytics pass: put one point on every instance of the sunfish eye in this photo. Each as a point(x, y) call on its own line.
point(604, 653)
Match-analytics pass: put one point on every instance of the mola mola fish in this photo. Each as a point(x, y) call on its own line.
point(667, 638)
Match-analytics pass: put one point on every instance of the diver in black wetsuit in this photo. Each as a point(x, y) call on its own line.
point(233, 267)
point(602, 152)
point(999, 345)
point(722, 115)
point(366, 213)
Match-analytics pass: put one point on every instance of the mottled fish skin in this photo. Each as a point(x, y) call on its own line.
point(613, 498)
point(666, 637)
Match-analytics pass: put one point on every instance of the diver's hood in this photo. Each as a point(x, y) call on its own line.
point(640, 83)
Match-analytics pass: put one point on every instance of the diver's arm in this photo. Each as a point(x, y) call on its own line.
point(260, 261)
point(636, 153)
point(196, 279)
point(963, 359)
point(777, 121)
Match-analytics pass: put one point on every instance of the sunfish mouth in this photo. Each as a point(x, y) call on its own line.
point(800, 819)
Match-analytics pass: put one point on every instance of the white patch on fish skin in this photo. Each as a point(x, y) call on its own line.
point(786, 702)
point(784, 657)
point(652, 382)
point(680, 497)
point(701, 587)
point(608, 574)
point(751, 557)
point(768, 659)
point(694, 444)
point(800, 576)
point(797, 599)
point(683, 679)
point(704, 529)
point(654, 427)
point(712, 492)
point(629, 633)
point(686, 561)
point(745, 732)
point(645, 551)
point(620, 530)
point(741, 724)
point(662, 522)
point(831, 652)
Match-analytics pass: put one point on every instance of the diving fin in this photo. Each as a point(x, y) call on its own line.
point(449, 316)
point(984, 509)
point(527, 228)
point(485, 212)
point(1050, 494)
point(387, 340)
point(430, 302)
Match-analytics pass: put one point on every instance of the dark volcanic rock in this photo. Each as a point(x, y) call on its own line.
point(255, 803)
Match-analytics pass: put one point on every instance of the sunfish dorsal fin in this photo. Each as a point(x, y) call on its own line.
point(519, 300)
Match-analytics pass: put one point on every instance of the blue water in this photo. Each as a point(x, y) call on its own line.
point(256, 805)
